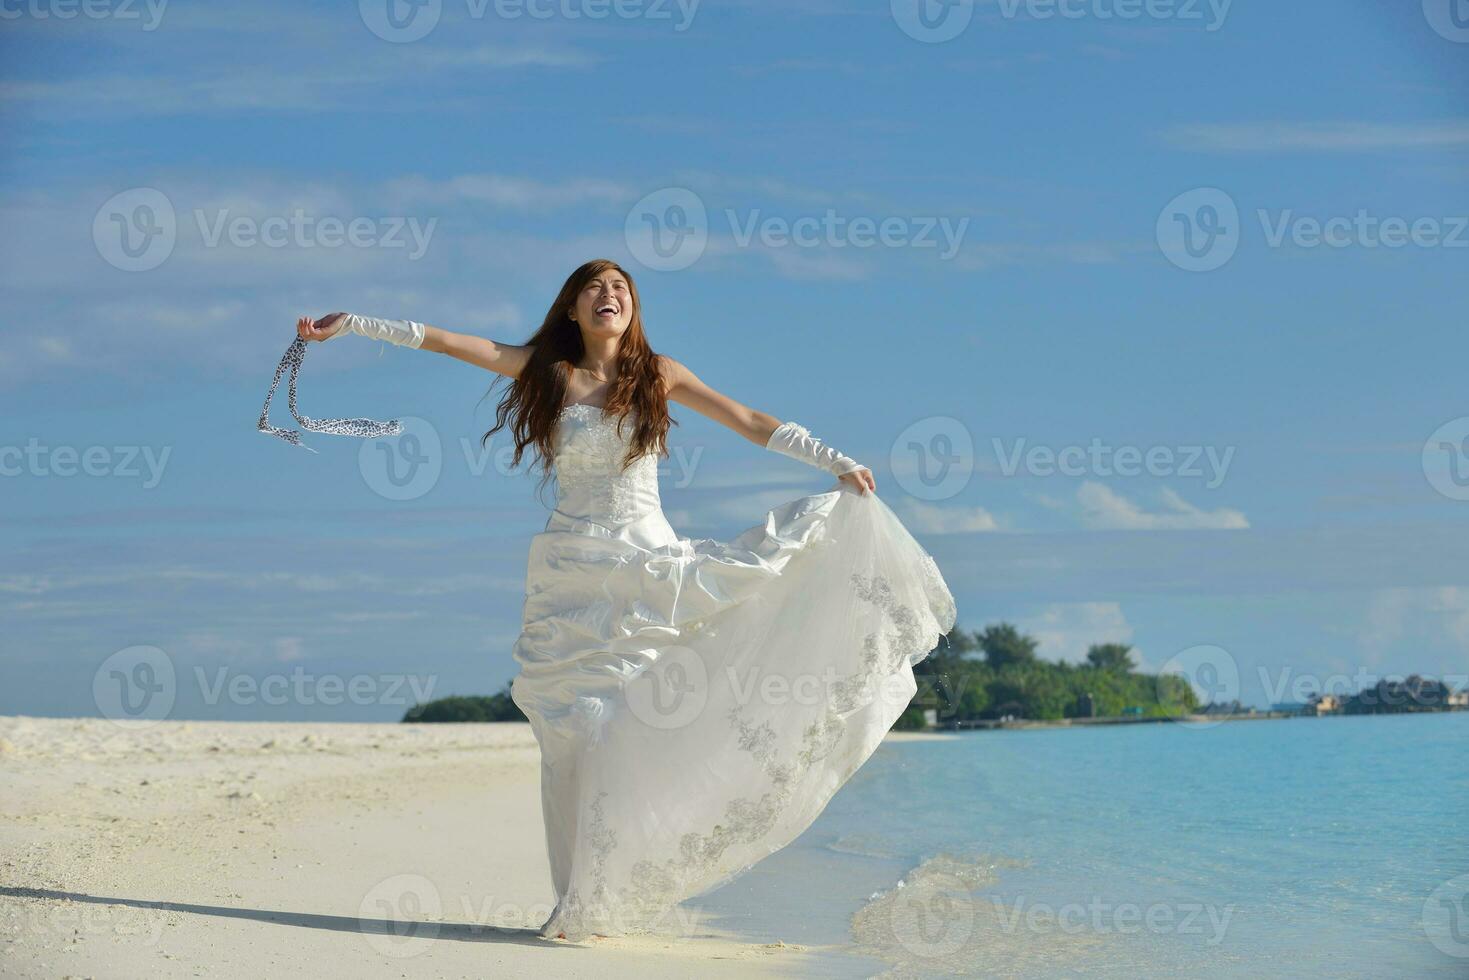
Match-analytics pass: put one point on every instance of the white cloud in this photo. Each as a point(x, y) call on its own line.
point(289, 648)
point(1066, 630)
point(1104, 509)
point(210, 89)
point(1433, 615)
point(935, 519)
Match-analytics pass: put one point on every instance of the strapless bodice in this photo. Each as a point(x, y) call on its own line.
point(590, 481)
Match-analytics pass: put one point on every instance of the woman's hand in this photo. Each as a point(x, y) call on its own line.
point(324, 329)
point(861, 479)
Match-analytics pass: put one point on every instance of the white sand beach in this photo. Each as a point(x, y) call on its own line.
point(187, 849)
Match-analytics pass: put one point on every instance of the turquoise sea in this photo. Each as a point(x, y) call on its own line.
point(1331, 847)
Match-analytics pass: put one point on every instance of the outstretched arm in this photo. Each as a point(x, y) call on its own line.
point(506, 359)
point(686, 388)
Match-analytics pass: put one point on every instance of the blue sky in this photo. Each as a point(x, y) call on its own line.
point(1040, 179)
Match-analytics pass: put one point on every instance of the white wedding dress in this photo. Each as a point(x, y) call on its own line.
point(698, 702)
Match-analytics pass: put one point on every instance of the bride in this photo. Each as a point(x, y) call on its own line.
point(697, 701)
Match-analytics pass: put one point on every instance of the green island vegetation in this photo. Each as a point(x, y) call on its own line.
point(988, 674)
point(477, 707)
point(996, 673)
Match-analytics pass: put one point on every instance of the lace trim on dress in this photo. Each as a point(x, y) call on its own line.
point(662, 885)
point(614, 493)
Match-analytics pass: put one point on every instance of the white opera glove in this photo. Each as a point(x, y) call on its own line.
point(797, 442)
point(404, 333)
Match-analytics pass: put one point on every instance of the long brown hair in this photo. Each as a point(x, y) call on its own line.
point(534, 401)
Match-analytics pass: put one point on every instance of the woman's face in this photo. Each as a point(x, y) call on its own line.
point(605, 306)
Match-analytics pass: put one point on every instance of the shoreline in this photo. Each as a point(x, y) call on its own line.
point(321, 849)
point(981, 725)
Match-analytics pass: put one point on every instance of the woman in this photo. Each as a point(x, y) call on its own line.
point(697, 702)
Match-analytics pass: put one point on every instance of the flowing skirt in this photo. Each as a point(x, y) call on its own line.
point(698, 702)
